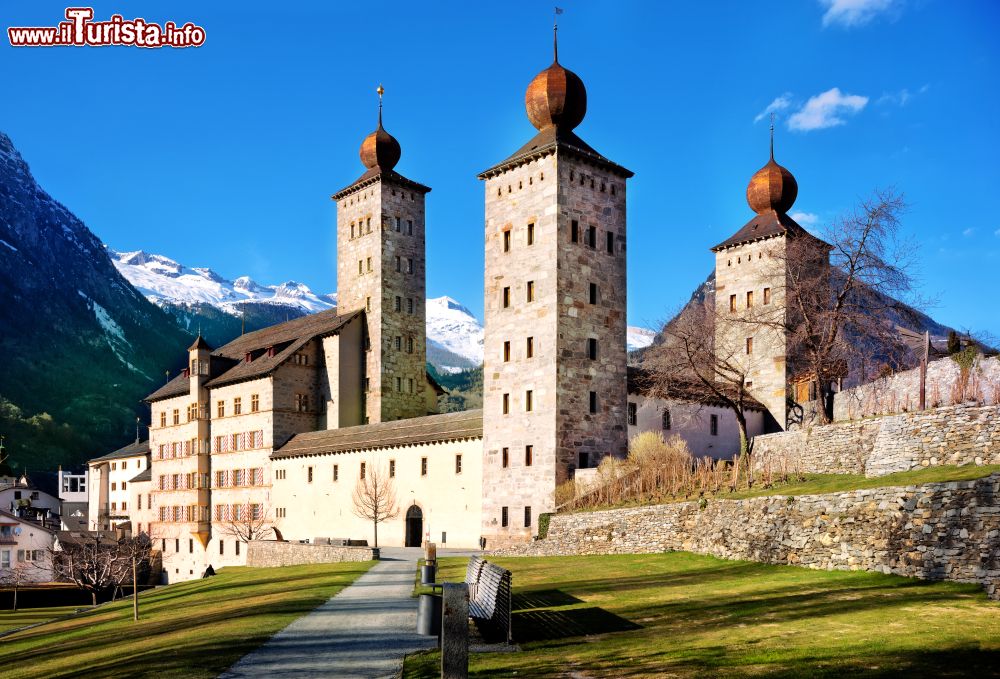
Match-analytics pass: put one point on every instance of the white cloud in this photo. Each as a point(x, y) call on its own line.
point(851, 13)
point(900, 98)
point(826, 110)
point(997, 233)
point(968, 232)
point(806, 219)
point(779, 104)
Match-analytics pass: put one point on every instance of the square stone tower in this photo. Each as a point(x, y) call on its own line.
point(381, 269)
point(554, 394)
point(752, 311)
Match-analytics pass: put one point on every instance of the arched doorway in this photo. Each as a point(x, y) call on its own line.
point(414, 526)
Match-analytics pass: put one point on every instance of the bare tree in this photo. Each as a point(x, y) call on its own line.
point(842, 296)
point(15, 577)
point(688, 366)
point(249, 521)
point(91, 561)
point(375, 496)
point(134, 557)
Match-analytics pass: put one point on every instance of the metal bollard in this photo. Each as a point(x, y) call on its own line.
point(429, 615)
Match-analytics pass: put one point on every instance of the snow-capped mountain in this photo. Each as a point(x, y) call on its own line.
point(639, 338)
point(196, 295)
point(162, 280)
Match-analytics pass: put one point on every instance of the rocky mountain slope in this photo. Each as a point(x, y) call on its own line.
point(81, 346)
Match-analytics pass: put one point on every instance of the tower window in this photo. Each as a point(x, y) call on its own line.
point(363, 470)
point(592, 236)
point(409, 227)
point(368, 264)
point(611, 243)
point(767, 295)
point(530, 291)
point(398, 225)
point(749, 298)
point(392, 469)
point(352, 229)
point(399, 264)
point(529, 400)
point(732, 303)
point(633, 414)
point(527, 517)
point(505, 457)
point(458, 464)
point(612, 189)
point(423, 466)
point(529, 349)
point(531, 233)
point(409, 305)
point(584, 462)
point(399, 343)
point(506, 351)
point(506, 404)
point(504, 519)
point(399, 384)
point(574, 231)
point(399, 302)
point(409, 265)
point(506, 241)
point(593, 402)
point(593, 293)
point(361, 267)
point(409, 345)
point(666, 420)
point(309, 475)
point(749, 345)
point(592, 349)
point(368, 304)
point(336, 472)
point(713, 425)
point(506, 297)
point(529, 455)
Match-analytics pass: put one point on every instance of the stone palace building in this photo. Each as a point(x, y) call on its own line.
point(278, 426)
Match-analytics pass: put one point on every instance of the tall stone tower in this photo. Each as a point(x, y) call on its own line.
point(381, 266)
point(751, 284)
point(554, 393)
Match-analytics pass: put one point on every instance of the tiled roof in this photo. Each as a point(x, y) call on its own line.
point(458, 426)
point(228, 362)
point(145, 475)
point(131, 450)
point(641, 383)
point(553, 139)
point(6, 517)
point(377, 174)
point(764, 225)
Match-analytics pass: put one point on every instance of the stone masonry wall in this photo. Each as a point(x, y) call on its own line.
point(956, 435)
point(938, 531)
point(269, 553)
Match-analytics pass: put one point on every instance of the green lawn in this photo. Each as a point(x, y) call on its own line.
point(30, 616)
point(685, 615)
point(191, 629)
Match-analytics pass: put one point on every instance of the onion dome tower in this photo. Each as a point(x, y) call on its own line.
point(380, 149)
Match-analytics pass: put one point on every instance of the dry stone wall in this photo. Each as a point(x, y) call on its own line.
point(938, 531)
point(953, 435)
point(271, 553)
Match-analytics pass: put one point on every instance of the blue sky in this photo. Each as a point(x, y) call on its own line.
point(225, 155)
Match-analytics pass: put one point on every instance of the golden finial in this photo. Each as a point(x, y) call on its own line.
point(381, 91)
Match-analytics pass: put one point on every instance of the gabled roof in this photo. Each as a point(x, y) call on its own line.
point(145, 475)
point(460, 426)
point(228, 365)
point(642, 383)
point(134, 449)
point(550, 140)
point(375, 175)
point(5, 515)
point(765, 225)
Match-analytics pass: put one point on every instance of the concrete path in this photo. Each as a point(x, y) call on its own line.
point(363, 631)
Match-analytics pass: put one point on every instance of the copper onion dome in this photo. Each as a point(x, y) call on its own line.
point(772, 187)
point(556, 96)
point(380, 149)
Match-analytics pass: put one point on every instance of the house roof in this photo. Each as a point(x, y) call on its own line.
point(228, 363)
point(6, 516)
point(642, 383)
point(765, 225)
point(376, 175)
point(145, 475)
point(134, 449)
point(552, 139)
point(464, 425)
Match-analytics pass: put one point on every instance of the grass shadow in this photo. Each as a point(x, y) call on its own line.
point(540, 625)
point(544, 598)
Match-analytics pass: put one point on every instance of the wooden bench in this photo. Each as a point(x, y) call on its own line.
point(472, 574)
point(491, 604)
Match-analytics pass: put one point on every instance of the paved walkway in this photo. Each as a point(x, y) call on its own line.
point(364, 631)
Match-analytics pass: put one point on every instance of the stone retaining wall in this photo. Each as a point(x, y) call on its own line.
point(962, 434)
point(269, 553)
point(937, 531)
